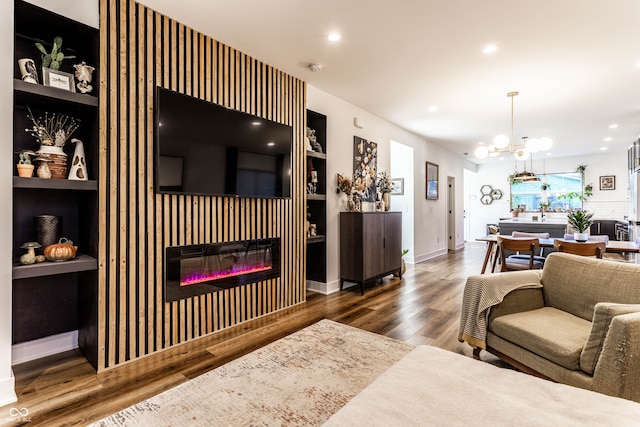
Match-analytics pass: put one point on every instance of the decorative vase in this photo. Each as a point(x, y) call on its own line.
point(78, 170)
point(354, 204)
point(28, 70)
point(58, 165)
point(25, 171)
point(84, 74)
point(581, 237)
point(48, 229)
point(43, 170)
point(387, 201)
point(515, 213)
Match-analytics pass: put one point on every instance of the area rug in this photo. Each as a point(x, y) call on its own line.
point(299, 380)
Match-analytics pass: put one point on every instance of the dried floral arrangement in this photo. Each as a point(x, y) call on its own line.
point(348, 187)
point(384, 182)
point(52, 130)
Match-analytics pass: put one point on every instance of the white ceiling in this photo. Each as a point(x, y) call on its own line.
point(574, 62)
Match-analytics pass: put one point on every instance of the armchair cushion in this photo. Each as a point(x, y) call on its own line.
point(603, 313)
point(554, 334)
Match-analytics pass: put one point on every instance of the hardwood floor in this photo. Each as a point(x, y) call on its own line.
point(422, 308)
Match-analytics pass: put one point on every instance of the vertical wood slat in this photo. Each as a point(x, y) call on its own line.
point(140, 49)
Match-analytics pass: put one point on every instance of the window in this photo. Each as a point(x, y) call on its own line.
point(562, 191)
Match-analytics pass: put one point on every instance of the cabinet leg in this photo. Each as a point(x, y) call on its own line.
point(361, 288)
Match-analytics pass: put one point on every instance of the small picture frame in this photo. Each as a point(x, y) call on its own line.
point(58, 79)
point(397, 186)
point(608, 182)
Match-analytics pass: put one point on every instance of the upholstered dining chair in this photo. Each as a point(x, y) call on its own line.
point(581, 248)
point(521, 246)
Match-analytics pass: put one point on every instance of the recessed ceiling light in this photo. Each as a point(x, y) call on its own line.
point(334, 37)
point(608, 139)
point(433, 108)
point(490, 48)
point(256, 123)
point(271, 144)
point(613, 126)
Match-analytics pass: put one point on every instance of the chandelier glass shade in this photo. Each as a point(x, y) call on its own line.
point(503, 144)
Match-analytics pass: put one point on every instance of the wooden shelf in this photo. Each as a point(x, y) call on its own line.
point(316, 155)
point(315, 239)
point(54, 184)
point(47, 268)
point(316, 196)
point(26, 91)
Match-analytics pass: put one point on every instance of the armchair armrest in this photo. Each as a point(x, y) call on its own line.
point(618, 369)
point(481, 293)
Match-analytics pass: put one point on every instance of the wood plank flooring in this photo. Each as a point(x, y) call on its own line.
point(422, 308)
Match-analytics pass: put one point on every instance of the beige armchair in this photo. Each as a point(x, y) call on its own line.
point(581, 327)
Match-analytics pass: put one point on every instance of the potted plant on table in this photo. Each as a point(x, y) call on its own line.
point(580, 221)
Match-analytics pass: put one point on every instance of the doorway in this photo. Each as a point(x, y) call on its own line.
point(451, 213)
point(401, 168)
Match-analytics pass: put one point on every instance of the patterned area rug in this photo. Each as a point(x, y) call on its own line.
point(299, 380)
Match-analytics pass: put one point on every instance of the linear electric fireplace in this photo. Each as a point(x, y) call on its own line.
point(199, 269)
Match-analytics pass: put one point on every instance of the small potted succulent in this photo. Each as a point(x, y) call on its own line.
point(25, 167)
point(580, 221)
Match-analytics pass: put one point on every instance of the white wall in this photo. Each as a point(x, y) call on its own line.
point(611, 204)
point(430, 218)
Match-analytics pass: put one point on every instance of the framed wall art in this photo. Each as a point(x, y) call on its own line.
point(432, 181)
point(365, 162)
point(608, 182)
point(397, 186)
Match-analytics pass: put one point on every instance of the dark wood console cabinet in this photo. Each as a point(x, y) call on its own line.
point(370, 246)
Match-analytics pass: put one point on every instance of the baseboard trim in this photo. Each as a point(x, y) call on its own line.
point(8, 391)
point(32, 350)
point(323, 288)
point(431, 255)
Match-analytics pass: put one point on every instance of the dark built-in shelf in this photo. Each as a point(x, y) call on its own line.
point(54, 184)
point(26, 91)
point(47, 268)
point(316, 154)
point(316, 196)
point(315, 239)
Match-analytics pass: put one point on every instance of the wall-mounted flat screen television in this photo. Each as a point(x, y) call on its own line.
point(202, 148)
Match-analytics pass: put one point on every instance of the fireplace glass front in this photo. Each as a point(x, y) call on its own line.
point(198, 269)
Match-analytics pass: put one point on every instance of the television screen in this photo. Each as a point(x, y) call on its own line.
point(204, 148)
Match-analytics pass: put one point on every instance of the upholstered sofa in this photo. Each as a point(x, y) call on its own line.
point(581, 327)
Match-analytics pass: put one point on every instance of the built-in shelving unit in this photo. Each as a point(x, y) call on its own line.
point(50, 298)
point(316, 202)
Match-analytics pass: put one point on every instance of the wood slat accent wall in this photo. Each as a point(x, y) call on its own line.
point(142, 49)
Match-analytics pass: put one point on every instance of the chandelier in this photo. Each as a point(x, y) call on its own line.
point(504, 144)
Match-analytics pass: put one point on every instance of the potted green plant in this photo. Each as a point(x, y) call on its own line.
point(403, 267)
point(25, 167)
point(545, 206)
point(580, 221)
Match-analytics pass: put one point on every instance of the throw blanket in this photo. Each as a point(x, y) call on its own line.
point(435, 387)
point(479, 296)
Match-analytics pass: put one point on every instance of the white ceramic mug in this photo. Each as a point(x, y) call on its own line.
point(28, 70)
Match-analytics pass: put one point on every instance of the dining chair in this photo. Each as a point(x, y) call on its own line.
point(519, 261)
point(542, 254)
point(581, 248)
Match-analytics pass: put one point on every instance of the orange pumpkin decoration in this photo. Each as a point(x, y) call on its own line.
point(61, 251)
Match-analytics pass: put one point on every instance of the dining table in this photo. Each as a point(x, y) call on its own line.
point(613, 246)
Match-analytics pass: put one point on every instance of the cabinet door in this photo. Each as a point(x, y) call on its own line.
point(392, 241)
point(373, 244)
